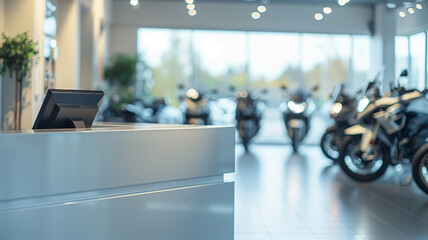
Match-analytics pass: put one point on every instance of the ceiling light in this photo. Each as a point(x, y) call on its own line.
point(192, 12)
point(402, 14)
point(411, 10)
point(261, 8)
point(191, 6)
point(189, 1)
point(342, 2)
point(418, 6)
point(133, 2)
point(318, 16)
point(327, 10)
point(255, 15)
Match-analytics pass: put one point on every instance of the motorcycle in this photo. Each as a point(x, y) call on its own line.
point(297, 114)
point(195, 108)
point(342, 111)
point(248, 116)
point(155, 112)
point(420, 165)
point(385, 135)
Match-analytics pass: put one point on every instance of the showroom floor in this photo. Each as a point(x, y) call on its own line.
point(281, 195)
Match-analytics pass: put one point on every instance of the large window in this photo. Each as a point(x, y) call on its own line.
point(401, 55)
point(417, 56)
point(165, 63)
point(410, 54)
point(325, 61)
point(360, 61)
point(218, 60)
point(273, 58)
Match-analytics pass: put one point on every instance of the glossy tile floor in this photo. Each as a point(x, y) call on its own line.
point(281, 195)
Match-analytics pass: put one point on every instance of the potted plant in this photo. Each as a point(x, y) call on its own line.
point(120, 76)
point(16, 55)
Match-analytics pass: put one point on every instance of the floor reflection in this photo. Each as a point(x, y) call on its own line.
point(282, 195)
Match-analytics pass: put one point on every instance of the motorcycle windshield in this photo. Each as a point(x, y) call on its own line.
point(299, 96)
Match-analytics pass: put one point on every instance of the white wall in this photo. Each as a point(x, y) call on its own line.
point(68, 38)
point(17, 16)
point(383, 44)
point(20, 16)
point(82, 36)
point(87, 49)
point(123, 40)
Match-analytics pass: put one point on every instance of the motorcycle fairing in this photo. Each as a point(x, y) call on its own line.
point(412, 95)
point(355, 130)
point(296, 123)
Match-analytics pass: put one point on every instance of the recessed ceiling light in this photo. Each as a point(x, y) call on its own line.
point(191, 6)
point(255, 15)
point(189, 1)
point(327, 10)
point(318, 16)
point(261, 8)
point(402, 14)
point(418, 6)
point(192, 12)
point(133, 2)
point(342, 2)
point(411, 10)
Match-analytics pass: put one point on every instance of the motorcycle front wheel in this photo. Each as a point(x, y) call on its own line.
point(328, 144)
point(295, 144)
point(351, 161)
point(420, 168)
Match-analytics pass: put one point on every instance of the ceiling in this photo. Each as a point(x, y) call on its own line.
point(365, 2)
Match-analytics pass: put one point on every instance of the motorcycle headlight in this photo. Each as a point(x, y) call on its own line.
point(362, 104)
point(297, 108)
point(336, 108)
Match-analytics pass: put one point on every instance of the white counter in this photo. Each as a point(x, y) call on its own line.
point(127, 181)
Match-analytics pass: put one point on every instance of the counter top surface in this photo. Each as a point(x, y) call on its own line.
point(108, 127)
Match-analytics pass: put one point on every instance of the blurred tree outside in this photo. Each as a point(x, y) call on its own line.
point(169, 74)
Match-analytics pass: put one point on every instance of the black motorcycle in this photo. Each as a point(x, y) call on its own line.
point(195, 108)
point(387, 133)
point(248, 116)
point(420, 164)
point(297, 113)
point(342, 111)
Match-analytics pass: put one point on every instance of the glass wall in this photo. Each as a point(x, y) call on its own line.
point(410, 54)
point(360, 62)
point(417, 58)
point(325, 61)
point(219, 61)
point(164, 63)
point(401, 56)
